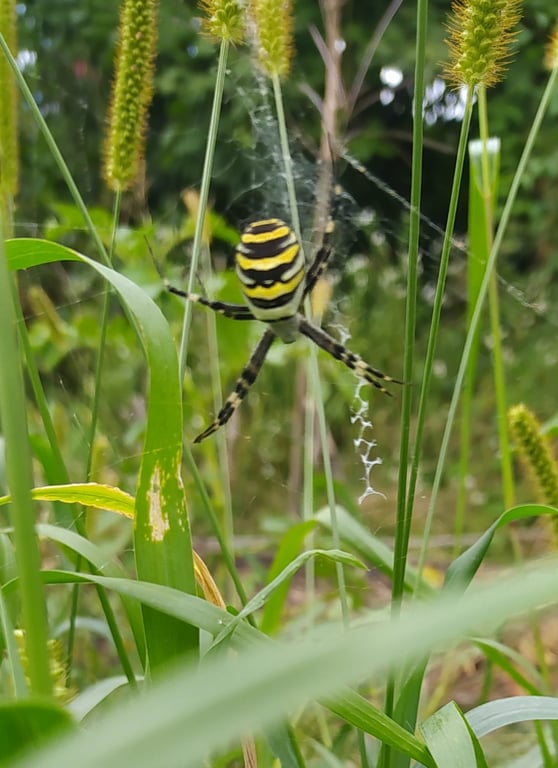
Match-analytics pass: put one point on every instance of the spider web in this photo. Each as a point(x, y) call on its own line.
point(526, 300)
point(530, 301)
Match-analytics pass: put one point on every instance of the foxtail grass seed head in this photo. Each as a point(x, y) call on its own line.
point(551, 54)
point(534, 451)
point(9, 165)
point(224, 19)
point(480, 35)
point(131, 93)
point(56, 663)
point(273, 35)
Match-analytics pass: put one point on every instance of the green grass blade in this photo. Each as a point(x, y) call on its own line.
point(369, 547)
point(282, 742)
point(89, 494)
point(94, 695)
point(283, 578)
point(512, 662)
point(450, 740)
point(81, 546)
point(229, 697)
point(13, 667)
point(162, 534)
point(289, 547)
point(461, 572)
point(357, 710)
point(515, 709)
point(19, 480)
point(28, 725)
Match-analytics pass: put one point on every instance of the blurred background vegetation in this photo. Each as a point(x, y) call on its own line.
point(67, 52)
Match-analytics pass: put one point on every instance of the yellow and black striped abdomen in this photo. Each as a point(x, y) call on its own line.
point(270, 267)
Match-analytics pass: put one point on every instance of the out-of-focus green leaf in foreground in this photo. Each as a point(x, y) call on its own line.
point(194, 711)
point(451, 740)
point(27, 724)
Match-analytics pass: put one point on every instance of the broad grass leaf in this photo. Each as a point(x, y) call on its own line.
point(451, 741)
point(162, 534)
point(514, 709)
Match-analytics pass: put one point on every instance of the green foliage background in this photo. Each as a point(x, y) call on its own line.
point(74, 47)
point(67, 57)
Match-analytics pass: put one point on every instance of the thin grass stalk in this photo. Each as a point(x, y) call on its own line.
point(333, 93)
point(65, 514)
point(494, 313)
point(274, 53)
point(187, 318)
point(223, 493)
point(102, 342)
point(20, 481)
point(41, 400)
point(106, 607)
point(9, 140)
point(221, 436)
point(214, 522)
point(541, 657)
point(547, 757)
point(73, 518)
point(435, 327)
point(222, 488)
point(80, 204)
point(12, 397)
point(328, 473)
point(403, 522)
point(308, 486)
point(56, 154)
point(479, 50)
point(227, 540)
point(311, 401)
point(204, 195)
point(12, 659)
point(476, 264)
point(315, 386)
point(112, 624)
point(124, 150)
point(464, 456)
point(475, 319)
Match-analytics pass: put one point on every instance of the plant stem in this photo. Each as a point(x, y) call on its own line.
point(204, 194)
point(403, 524)
point(20, 481)
point(56, 154)
point(434, 329)
point(315, 387)
point(494, 312)
point(475, 318)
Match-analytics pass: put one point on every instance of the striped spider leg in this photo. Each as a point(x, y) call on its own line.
point(337, 350)
point(243, 384)
point(234, 311)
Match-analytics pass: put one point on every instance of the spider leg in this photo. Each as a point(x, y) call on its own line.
point(243, 384)
point(234, 311)
point(339, 352)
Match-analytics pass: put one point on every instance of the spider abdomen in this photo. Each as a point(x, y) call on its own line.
point(270, 266)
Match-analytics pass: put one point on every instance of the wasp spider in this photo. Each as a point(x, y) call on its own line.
point(274, 280)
